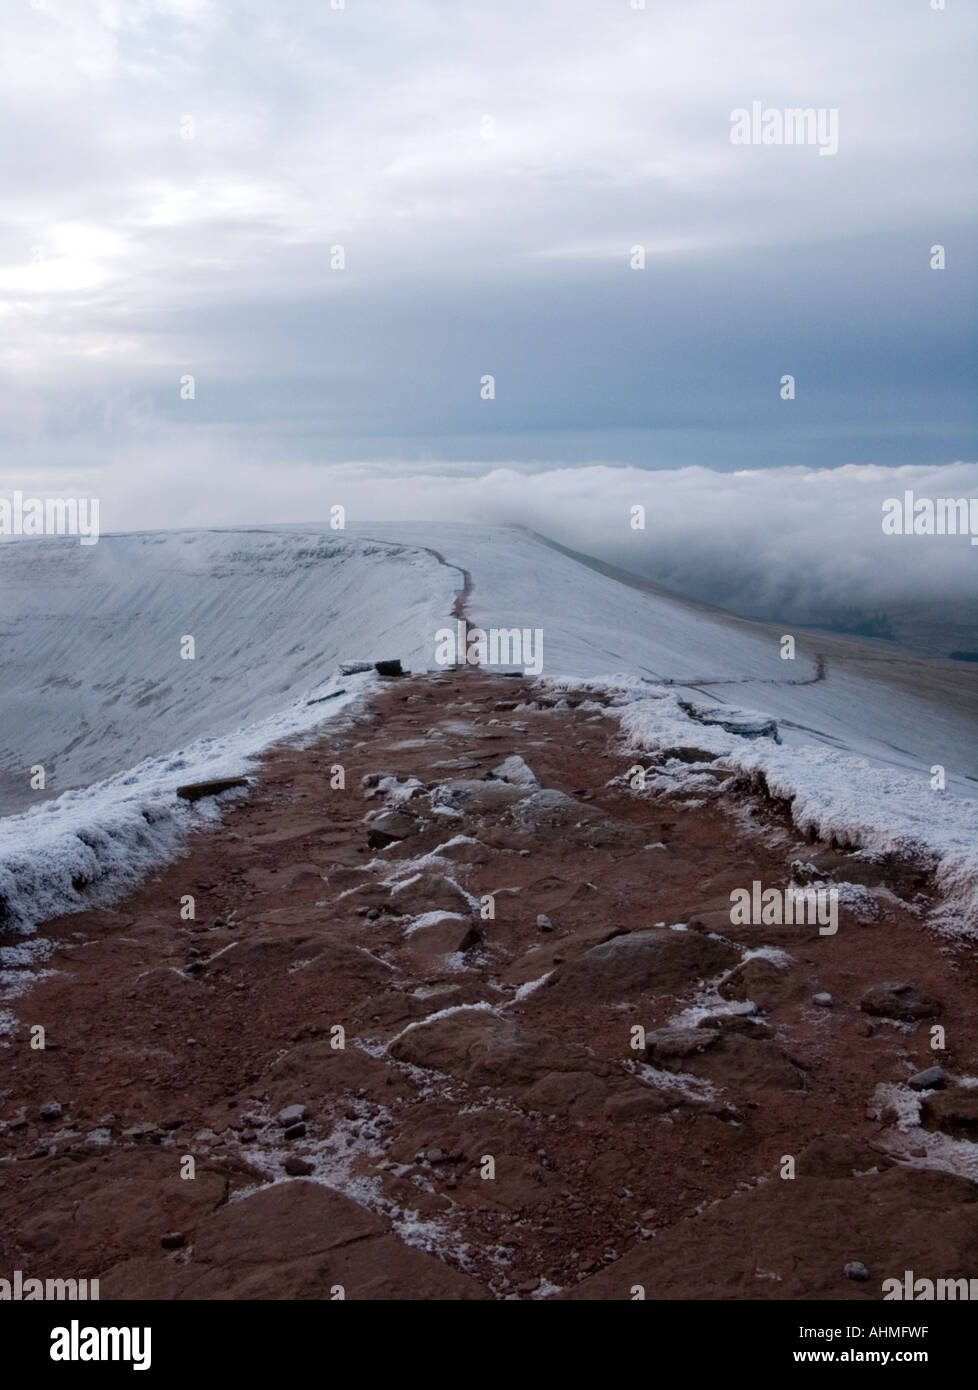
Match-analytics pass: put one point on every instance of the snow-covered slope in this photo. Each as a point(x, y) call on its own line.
point(93, 686)
point(91, 674)
point(594, 624)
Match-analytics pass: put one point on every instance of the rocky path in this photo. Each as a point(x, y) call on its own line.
point(458, 1014)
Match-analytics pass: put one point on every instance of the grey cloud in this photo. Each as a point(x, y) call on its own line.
point(160, 256)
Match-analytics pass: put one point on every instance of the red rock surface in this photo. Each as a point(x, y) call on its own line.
point(474, 1137)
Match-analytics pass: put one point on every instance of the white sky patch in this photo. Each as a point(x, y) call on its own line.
point(610, 129)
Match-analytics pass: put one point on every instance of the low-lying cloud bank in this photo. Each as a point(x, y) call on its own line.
point(786, 543)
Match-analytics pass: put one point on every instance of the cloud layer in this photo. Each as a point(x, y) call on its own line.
point(788, 544)
point(182, 171)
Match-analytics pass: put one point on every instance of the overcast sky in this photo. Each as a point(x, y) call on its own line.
point(131, 256)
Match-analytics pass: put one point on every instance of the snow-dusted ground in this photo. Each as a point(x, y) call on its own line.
point(91, 675)
point(594, 626)
point(93, 687)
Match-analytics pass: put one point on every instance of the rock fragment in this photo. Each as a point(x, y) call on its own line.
point(932, 1079)
point(672, 1044)
point(389, 828)
point(195, 791)
point(898, 1000)
point(516, 771)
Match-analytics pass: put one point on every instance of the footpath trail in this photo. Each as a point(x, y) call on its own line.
point(459, 1014)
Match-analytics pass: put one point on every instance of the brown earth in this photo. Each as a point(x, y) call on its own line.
point(473, 1112)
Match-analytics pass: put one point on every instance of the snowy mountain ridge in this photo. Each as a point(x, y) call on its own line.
point(96, 689)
